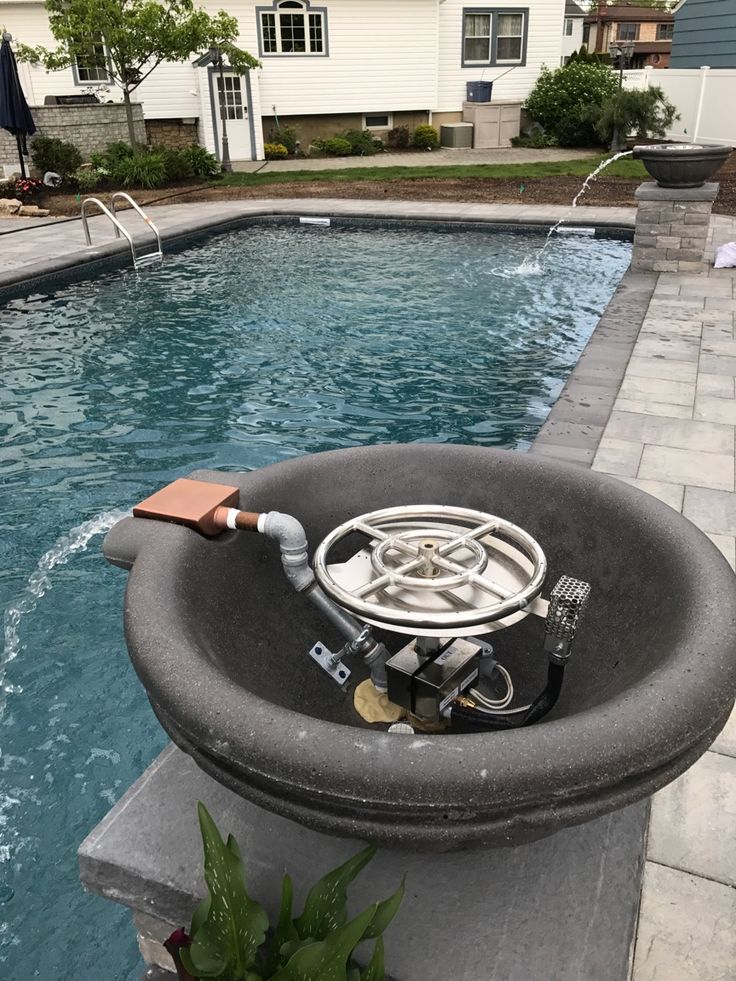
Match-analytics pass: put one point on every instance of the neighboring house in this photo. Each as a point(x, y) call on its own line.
point(328, 65)
point(572, 30)
point(705, 34)
point(649, 28)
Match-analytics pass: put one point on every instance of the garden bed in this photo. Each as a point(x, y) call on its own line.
point(552, 189)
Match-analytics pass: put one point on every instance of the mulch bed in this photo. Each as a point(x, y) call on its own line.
point(611, 191)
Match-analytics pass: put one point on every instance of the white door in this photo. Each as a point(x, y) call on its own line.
point(231, 98)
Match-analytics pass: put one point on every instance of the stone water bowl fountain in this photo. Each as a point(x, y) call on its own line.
point(237, 662)
point(681, 165)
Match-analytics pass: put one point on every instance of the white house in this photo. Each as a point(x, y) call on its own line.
point(572, 33)
point(329, 65)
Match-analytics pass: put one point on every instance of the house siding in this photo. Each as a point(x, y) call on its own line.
point(383, 57)
point(544, 44)
point(705, 34)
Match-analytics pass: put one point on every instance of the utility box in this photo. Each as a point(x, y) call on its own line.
point(495, 123)
point(456, 136)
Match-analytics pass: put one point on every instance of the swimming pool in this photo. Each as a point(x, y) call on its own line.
point(253, 347)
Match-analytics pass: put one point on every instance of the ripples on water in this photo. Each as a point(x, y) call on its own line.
point(256, 347)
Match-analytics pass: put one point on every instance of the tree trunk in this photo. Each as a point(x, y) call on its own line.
point(129, 118)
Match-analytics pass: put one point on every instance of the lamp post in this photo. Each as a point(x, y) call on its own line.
point(621, 52)
point(225, 165)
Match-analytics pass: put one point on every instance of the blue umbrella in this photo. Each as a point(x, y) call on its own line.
point(15, 116)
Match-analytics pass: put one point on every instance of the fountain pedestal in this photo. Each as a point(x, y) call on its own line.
point(672, 227)
point(563, 907)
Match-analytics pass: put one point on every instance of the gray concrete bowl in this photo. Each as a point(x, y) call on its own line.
point(219, 641)
point(682, 164)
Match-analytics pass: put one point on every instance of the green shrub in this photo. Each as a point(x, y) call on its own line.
point(230, 936)
point(89, 179)
point(361, 142)
point(568, 101)
point(425, 138)
point(642, 112)
point(399, 138)
point(275, 151)
point(285, 136)
point(178, 166)
point(115, 152)
point(98, 160)
point(535, 141)
point(336, 146)
point(50, 154)
point(142, 170)
point(201, 162)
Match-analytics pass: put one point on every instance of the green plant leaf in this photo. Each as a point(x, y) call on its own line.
point(325, 908)
point(326, 960)
point(353, 973)
point(375, 971)
point(233, 926)
point(201, 964)
point(385, 912)
point(199, 916)
point(285, 932)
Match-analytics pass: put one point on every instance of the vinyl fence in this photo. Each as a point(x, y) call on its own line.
point(705, 99)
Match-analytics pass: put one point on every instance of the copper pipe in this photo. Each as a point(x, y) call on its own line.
point(244, 520)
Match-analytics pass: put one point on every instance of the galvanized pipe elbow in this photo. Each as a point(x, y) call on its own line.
point(292, 539)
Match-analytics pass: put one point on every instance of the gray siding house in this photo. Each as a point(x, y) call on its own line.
point(705, 34)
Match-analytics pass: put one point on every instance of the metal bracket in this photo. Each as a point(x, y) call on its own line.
point(330, 663)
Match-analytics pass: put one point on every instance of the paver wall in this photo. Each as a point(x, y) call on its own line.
point(90, 128)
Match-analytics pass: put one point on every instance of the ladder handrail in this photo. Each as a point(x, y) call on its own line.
point(121, 194)
point(106, 211)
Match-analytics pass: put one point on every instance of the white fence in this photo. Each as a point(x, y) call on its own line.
point(705, 99)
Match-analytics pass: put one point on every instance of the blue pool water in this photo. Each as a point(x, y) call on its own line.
point(252, 348)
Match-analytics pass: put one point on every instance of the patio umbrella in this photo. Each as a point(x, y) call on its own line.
point(15, 116)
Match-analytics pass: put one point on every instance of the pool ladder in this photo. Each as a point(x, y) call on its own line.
point(111, 212)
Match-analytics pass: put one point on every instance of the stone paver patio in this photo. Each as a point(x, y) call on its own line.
point(661, 416)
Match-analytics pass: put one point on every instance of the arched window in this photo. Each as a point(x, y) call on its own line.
point(292, 27)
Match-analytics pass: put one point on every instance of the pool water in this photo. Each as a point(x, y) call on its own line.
point(256, 346)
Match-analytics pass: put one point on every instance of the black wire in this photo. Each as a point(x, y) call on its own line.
point(543, 704)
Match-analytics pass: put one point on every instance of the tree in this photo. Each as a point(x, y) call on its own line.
point(130, 38)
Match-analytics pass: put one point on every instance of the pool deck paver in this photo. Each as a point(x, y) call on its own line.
point(656, 440)
point(652, 401)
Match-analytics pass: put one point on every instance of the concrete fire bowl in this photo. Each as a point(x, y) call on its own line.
point(680, 165)
point(219, 640)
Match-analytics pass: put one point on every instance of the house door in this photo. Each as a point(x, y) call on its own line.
point(231, 98)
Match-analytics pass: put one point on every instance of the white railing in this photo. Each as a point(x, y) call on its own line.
point(701, 95)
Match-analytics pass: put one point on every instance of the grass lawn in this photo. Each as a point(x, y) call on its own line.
point(516, 171)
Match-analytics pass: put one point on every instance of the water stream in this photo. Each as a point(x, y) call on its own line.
point(532, 266)
point(75, 540)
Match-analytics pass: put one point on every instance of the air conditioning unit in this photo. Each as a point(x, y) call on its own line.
point(456, 136)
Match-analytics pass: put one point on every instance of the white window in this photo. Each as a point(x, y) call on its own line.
point(91, 65)
point(494, 36)
point(510, 38)
point(568, 27)
point(292, 27)
point(477, 39)
point(231, 97)
point(377, 120)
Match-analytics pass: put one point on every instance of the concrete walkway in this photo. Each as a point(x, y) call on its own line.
point(419, 158)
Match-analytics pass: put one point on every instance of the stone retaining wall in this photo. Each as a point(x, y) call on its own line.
point(172, 133)
point(90, 128)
